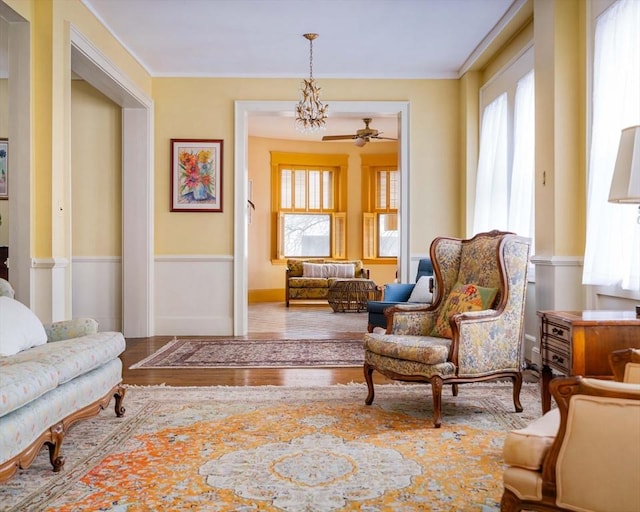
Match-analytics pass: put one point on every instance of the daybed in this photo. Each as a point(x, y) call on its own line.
point(50, 378)
point(311, 278)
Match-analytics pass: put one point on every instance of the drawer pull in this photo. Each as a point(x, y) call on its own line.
point(557, 359)
point(557, 332)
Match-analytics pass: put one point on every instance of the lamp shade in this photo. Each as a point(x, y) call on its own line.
point(625, 185)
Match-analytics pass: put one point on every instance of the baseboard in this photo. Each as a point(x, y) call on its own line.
point(265, 295)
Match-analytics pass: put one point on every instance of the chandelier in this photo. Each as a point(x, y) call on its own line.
point(311, 113)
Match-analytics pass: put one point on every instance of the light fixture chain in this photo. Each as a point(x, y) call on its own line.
point(311, 58)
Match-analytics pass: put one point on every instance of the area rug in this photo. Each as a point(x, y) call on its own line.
point(257, 353)
point(282, 449)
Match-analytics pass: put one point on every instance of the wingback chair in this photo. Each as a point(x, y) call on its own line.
point(471, 332)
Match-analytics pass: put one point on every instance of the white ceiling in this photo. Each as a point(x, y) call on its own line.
point(400, 39)
point(263, 38)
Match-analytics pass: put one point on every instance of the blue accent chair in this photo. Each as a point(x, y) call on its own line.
point(395, 293)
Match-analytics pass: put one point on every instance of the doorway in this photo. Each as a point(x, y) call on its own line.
point(244, 111)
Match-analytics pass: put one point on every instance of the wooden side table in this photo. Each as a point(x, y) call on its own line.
point(579, 343)
point(352, 294)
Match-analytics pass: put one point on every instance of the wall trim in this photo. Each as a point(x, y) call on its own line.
point(49, 263)
point(192, 257)
point(558, 261)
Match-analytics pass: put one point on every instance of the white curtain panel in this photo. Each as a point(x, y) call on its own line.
point(612, 254)
point(491, 207)
point(521, 204)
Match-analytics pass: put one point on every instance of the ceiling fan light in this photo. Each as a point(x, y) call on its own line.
point(359, 142)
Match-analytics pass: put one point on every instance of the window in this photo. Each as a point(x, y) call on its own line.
point(307, 204)
point(612, 254)
point(505, 178)
point(380, 198)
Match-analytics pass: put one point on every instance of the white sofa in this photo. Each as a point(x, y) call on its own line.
point(45, 389)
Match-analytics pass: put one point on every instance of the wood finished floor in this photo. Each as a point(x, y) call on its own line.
point(265, 320)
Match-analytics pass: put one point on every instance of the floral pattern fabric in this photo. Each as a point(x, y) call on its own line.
point(427, 350)
point(67, 329)
point(6, 290)
point(23, 426)
point(73, 357)
point(22, 383)
point(489, 341)
point(463, 298)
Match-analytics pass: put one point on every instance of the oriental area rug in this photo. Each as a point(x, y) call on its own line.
point(282, 449)
point(257, 353)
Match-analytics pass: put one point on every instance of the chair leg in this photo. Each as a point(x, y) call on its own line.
point(368, 377)
point(517, 386)
point(454, 389)
point(436, 392)
point(509, 502)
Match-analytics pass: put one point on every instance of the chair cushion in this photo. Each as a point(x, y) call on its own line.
point(23, 382)
point(308, 282)
point(422, 349)
point(527, 447)
point(463, 298)
point(421, 291)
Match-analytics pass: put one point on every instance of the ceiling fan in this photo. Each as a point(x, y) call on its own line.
point(362, 136)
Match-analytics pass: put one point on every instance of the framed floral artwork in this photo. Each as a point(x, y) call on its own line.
point(196, 175)
point(4, 169)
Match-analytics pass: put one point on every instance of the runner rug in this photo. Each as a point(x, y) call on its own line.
point(257, 353)
point(282, 449)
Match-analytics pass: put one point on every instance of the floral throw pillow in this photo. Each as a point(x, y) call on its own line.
point(463, 298)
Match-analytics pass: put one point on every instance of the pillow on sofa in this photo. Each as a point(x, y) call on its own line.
point(463, 298)
point(420, 292)
point(312, 269)
point(20, 328)
point(339, 270)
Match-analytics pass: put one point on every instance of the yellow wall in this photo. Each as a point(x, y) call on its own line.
point(203, 108)
point(50, 23)
point(265, 276)
point(96, 172)
point(560, 127)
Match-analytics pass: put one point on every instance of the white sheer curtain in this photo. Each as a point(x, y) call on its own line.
point(612, 254)
point(491, 205)
point(521, 210)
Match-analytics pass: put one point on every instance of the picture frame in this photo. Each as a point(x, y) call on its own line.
point(196, 175)
point(4, 169)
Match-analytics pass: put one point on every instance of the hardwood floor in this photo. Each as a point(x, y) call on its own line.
point(265, 319)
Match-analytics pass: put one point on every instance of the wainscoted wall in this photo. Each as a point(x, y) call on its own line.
point(97, 290)
point(531, 344)
point(183, 305)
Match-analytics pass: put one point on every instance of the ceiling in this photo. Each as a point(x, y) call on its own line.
point(385, 39)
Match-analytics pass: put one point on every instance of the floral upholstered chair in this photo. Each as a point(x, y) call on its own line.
point(471, 332)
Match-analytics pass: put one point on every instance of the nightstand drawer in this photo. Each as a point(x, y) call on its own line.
point(559, 360)
point(557, 330)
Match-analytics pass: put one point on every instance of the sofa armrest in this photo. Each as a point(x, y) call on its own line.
point(67, 329)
